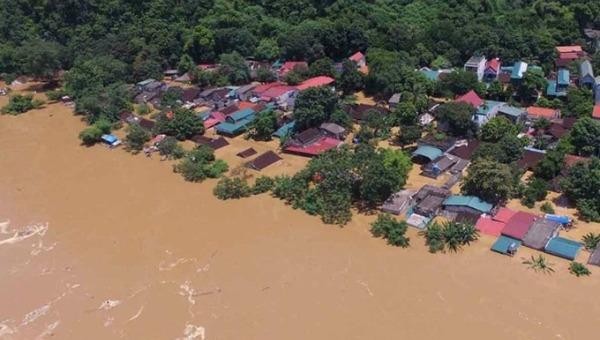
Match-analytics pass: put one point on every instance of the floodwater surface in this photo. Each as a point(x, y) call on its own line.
point(101, 244)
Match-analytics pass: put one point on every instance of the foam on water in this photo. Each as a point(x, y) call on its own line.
point(109, 304)
point(6, 329)
point(49, 330)
point(189, 291)
point(192, 332)
point(35, 314)
point(20, 235)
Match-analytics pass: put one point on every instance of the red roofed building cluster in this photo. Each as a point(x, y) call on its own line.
point(470, 98)
point(536, 112)
point(568, 54)
point(290, 66)
point(315, 82)
point(506, 222)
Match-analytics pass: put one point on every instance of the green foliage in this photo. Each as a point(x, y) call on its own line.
point(496, 128)
point(143, 109)
point(40, 58)
point(536, 190)
point(313, 107)
point(185, 124)
point(406, 114)
point(350, 79)
point(136, 138)
point(533, 82)
point(458, 83)
point(489, 180)
point(90, 135)
point(449, 235)
point(55, 95)
point(582, 185)
point(580, 102)
point(550, 166)
point(547, 208)
point(263, 184)
point(234, 68)
point(434, 238)
point(579, 269)
point(585, 137)
point(200, 164)
point(409, 134)
point(539, 264)
point(297, 75)
point(265, 75)
point(170, 148)
point(267, 49)
point(458, 117)
point(322, 67)
point(18, 104)
point(389, 228)
point(591, 241)
point(263, 126)
point(231, 188)
point(186, 64)
point(107, 103)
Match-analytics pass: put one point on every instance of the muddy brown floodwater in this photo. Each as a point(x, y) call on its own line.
point(100, 244)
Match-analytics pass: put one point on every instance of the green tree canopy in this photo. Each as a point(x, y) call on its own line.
point(489, 180)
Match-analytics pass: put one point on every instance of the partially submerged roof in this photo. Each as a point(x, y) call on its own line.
point(314, 148)
point(585, 69)
point(504, 243)
point(518, 70)
point(417, 221)
point(333, 128)
point(264, 160)
point(285, 130)
point(504, 214)
point(540, 233)
point(466, 150)
point(563, 77)
point(357, 57)
point(542, 112)
point(568, 49)
point(398, 202)
point(472, 202)
point(512, 111)
point(518, 225)
point(595, 257)
point(563, 247)
point(428, 152)
point(474, 60)
point(359, 111)
point(246, 153)
point(486, 225)
point(530, 158)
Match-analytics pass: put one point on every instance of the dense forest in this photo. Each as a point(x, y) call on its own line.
point(38, 37)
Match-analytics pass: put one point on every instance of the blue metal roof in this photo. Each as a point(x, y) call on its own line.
point(488, 106)
point(552, 91)
point(428, 152)
point(239, 115)
point(469, 201)
point(503, 243)
point(431, 74)
point(512, 110)
point(563, 247)
point(110, 139)
point(285, 130)
point(563, 77)
point(562, 219)
point(234, 128)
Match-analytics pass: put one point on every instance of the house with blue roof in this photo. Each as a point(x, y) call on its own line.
point(426, 153)
point(488, 110)
point(285, 130)
point(513, 113)
point(518, 71)
point(467, 204)
point(237, 122)
point(586, 74)
point(558, 87)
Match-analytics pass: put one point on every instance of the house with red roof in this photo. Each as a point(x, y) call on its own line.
point(315, 82)
point(568, 54)
point(536, 112)
point(359, 58)
point(275, 92)
point(492, 69)
point(488, 226)
point(471, 98)
point(596, 111)
point(212, 119)
point(518, 225)
point(311, 143)
point(290, 66)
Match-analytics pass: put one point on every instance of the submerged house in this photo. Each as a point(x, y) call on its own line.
point(517, 223)
point(360, 112)
point(359, 58)
point(513, 113)
point(429, 200)
point(476, 65)
point(333, 130)
point(488, 110)
point(237, 122)
point(315, 82)
point(467, 204)
point(536, 112)
point(310, 143)
point(285, 130)
point(289, 66)
point(563, 247)
point(426, 154)
point(398, 203)
point(440, 165)
point(518, 71)
point(568, 54)
point(540, 233)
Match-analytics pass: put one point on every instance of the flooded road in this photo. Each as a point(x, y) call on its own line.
point(100, 244)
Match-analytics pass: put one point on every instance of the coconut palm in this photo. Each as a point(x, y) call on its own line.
point(457, 234)
point(578, 269)
point(539, 264)
point(591, 241)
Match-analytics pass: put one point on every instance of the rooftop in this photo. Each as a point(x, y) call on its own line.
point(470, 97)
point(469, 201)
point(315, 82)
point(542, 112)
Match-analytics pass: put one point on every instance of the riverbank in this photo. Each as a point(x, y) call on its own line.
point(133, 251)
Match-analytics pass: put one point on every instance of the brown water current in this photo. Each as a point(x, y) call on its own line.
point(100, 244)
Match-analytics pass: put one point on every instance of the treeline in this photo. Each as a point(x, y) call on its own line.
point(40, 37)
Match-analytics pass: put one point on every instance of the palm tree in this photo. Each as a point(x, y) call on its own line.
point(591, 241)
point(457, 234)
point(539, 264)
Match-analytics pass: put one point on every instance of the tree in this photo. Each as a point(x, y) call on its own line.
point(496, 91)
point(107, 103)
point(585, 136)
point(591, 241)
point(405, 114)
point(136, 138)
point(457, 235)
point(90, 135)
point(579, 269)
point(489, 180)
point(234, 68)
point(582, 185)
point(579, 102)
point(350, 79)
point(434, 238)
point(40, 58)
point(496, 128)
point(539, 264)
point(183, 124)
point(547, 208)
point(531, 85)
point(322, 67)
point(186, 64)
point(265, 75)
point(263, 126)
point(200, 43)
point(146, 65)
point(231, 188)
point(170, 148)
point(458, 83)
point(458, 117)
point(550, 166)
point(89, 76)
point(263, 184)
point(409, 134)
point(267, 50)
point(172, 98)
point(199, 164)
point(536, 190)
point(393, 231)
point(313, 107)
point(18, 104)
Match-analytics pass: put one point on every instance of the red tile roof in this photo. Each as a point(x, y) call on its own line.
point(486, 225)
point(470, 98)
point(316, 148)
point(246, 105)
point(542, 112)
point(518, 225)
point(315, 82)
point(264, 87)
point(290, 65)
point(356, 57)
point(276, 91)
point(494, 64)
point(565, 49)
point(596, 111)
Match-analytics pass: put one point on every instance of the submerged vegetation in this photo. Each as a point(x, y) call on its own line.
point(449, 235)
point(18, 104)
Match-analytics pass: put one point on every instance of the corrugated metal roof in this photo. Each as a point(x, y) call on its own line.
point(428, 152)
point(503, 243)
point(469, 201)
point(585, 69)
point(563, 77)
point(563, 247)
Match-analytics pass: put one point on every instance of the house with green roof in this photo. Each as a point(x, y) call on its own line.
point(515, 114)
point(467, 204)
point(237, 122)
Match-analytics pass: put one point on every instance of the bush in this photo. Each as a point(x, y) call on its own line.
point(231, 188)
point(136, 138)
point(20, 104)
point(184, 124)
point(143, 109)
point(434, 238)
point(90, 135)
point(390, 229)
point(591, 241)
point(450, 235)
point(199, 164)
point(104, 125)
point(578, 269)
point(56, 95)
point(263, 184)
point(547, 208)
point(170, 148)
point(536, 190)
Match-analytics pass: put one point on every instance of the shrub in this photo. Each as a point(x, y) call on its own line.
point(547, 208)
point(390, 229)
point(434, 238)
point(136, 138)
point(104, 125)
point(539, 264)
point(56, 95)
point(578, 269)
point(20, 104)
point(231, 188)
point(170, 148)
point(263, 184)
point(143, 109)
point(591, 241)
point(536, 190)
point(199, 164)
point(450, 235)
point(90, 135)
